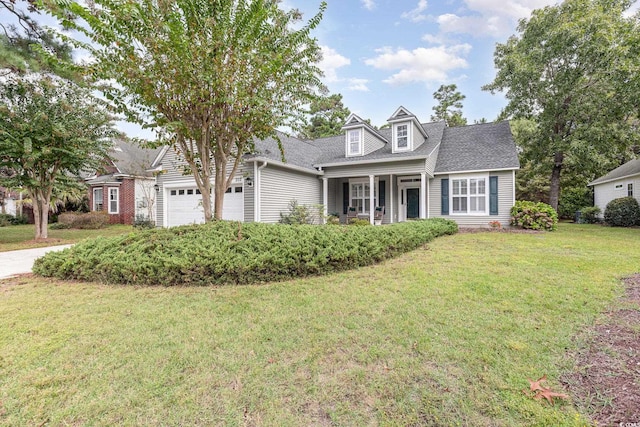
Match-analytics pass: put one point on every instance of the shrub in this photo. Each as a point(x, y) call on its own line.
point(589, 215)
point(534, 216)
point(359, 221)
point(300, 214)
point(19, 220)
point(572, 199)
point(224, 252)
point(89, 220)
point(8, 219)
point(622, 212)
point(143, 221)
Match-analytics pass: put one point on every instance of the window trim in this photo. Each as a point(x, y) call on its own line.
point(348, 142)
point(117, 200)
point(630, 189)
point(468, 197)
point(95, 189)
point(409, 146)
point(364, 182)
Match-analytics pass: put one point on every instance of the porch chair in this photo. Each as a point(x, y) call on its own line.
point(377, 215)
point(351, 213)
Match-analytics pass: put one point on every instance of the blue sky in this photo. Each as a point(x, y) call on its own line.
point(380, 54)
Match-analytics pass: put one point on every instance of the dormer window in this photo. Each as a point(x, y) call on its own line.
point(354, 142)
point(402, 136)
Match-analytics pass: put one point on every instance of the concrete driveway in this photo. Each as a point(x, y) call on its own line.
point(20, 262)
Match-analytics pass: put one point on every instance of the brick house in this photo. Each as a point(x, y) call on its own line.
point(124, 188)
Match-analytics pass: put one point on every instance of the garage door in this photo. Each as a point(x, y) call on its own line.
point(184, 205)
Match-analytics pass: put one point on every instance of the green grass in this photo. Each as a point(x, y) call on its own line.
point(445, 335)
point(21, 236)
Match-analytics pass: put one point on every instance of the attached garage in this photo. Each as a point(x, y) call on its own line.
point(184, 205)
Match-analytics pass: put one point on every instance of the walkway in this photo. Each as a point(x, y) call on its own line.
point(20, 262)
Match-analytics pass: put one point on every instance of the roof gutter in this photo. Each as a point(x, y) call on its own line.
point(367, 162)
point(284, 165)
point(596, 182)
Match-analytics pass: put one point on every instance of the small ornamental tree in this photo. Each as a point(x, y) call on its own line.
point(212, 76)
point(50, 131)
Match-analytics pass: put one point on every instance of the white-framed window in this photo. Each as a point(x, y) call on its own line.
point(97, 199)
point(354, 142)
point(630, 189)
point(360, 195)
point(469, 195)
point(402, 136)
point(114, 200)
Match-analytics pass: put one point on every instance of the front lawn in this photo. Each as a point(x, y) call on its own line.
point(16, 237)
point(444, 335)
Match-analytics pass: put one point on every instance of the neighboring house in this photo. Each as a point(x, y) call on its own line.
point(125, 188)
point(406, 171)
point(8, 201)
point(621, 182)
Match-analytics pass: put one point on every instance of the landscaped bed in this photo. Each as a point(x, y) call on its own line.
point(225, 252)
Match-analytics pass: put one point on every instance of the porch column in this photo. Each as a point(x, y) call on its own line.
point(325, 199)
point(423, 195)
point(372, 202)
point(390, 203)
point(428, 204)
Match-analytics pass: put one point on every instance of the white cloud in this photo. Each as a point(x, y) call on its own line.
point(416, 14)
point(331, 61)
point(358, 85)
point(422, 64)
point(495, 18)
point(368, 4)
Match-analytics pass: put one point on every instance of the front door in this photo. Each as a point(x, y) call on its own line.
point(413, 203)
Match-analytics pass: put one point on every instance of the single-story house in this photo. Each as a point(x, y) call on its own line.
point(623, 181)
point(124, 187)
point(408, 170)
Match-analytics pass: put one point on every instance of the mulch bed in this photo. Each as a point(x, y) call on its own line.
point(606, 378)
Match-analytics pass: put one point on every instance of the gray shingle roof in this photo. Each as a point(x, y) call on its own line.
point(296, 151)
point(333, 147)
point(628, 169)
point(131, 159)
point(477, 147)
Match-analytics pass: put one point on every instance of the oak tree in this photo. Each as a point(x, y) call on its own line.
point(574, 69)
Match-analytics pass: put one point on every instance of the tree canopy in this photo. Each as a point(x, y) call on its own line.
point(327, 116)
point(574, 69)
point(50, 131)
point(213, 76)
point(449, 106)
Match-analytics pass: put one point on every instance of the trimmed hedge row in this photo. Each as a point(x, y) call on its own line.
point(234, 253)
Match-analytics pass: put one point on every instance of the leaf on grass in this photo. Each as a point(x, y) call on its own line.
point(535, 385)
point(549, 395)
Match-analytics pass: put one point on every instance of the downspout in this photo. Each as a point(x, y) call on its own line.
point(256, 190)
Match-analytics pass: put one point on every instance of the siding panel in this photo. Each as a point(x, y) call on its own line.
point(408, 167)
point(371, 142)
point(279, 186)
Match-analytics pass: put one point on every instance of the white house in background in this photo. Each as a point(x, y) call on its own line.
point(409, 170)
point(621, 182)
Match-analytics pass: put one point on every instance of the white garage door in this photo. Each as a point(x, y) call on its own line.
point(184, 205)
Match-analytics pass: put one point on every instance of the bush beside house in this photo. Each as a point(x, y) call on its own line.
point(234, 253)
point(534, 216)
point(622, 212)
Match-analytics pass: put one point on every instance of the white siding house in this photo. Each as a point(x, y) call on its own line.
point(621, 182)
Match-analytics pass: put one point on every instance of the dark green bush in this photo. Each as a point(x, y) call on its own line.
point(224, 252)
point(534, 216)
point(572, 199)
point(8, 219)
point(622, 212)
point(589, 215)
point(143, 221)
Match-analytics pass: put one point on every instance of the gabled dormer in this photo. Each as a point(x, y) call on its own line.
point(360, 137)
point(407, 133)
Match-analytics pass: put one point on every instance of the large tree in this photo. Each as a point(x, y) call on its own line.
point(327, 116)
point(213, 76)
point(573, 69)
point(50, 131)
point(449, 107)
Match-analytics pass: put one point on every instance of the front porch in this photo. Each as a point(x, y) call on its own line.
point(396, 197)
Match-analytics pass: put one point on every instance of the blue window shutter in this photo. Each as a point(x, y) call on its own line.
point(381, 193)
point(493, 195)
point(345, 197)
point(444, 194)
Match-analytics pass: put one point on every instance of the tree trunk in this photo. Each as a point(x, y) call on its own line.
point(220, 185)
point(554, 188)
point(40, 214)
